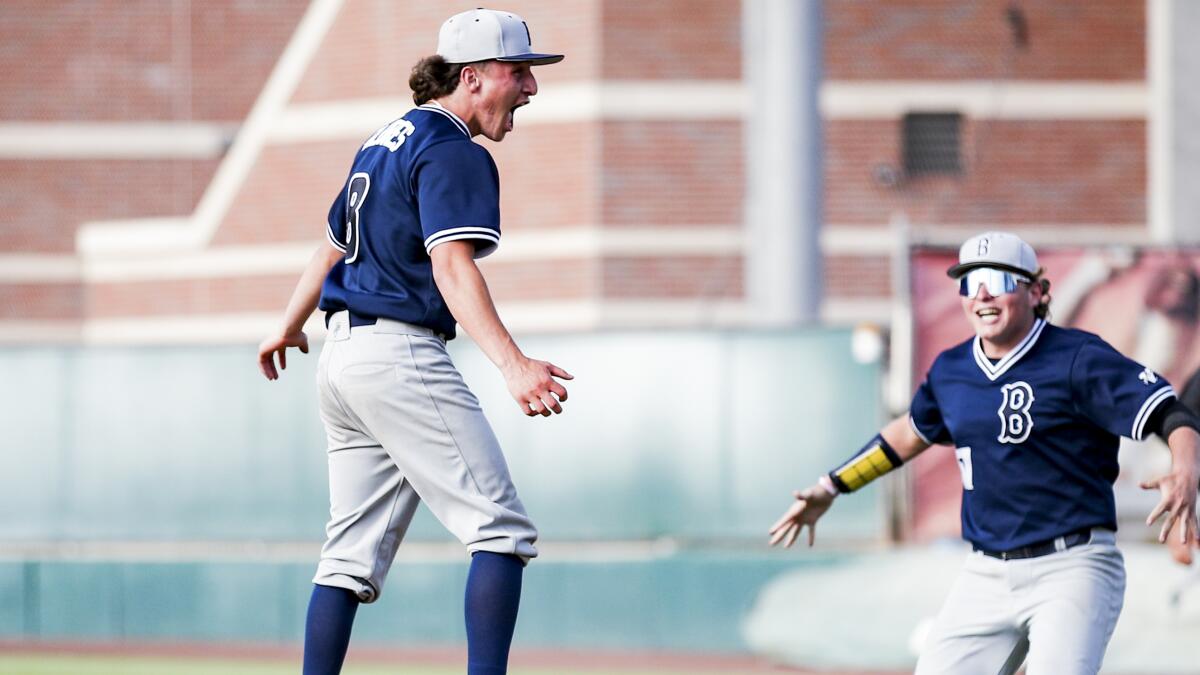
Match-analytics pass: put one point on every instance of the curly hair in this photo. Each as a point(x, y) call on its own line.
point(433, 78)
point(1042, 311)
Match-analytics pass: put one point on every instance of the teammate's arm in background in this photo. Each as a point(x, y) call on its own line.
point(530, 382)
point(299, 308)
point(812, 502)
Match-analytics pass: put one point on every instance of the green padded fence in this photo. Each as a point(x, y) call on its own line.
point(688, 436)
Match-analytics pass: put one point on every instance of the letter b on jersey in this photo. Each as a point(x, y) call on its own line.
point(1015, 421)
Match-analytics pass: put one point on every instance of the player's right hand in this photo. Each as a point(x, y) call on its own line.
point(278, 345)
point(808, 508)
point(532, 385)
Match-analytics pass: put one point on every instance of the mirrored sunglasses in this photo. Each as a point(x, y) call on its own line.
point(998, 282)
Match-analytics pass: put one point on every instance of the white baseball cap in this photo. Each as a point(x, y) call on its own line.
point(1002, 250)
point(486, 35)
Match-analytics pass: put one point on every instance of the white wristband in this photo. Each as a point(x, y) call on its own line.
point(824, 482)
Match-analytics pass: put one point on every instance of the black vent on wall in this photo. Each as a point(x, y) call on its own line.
point(931, 143)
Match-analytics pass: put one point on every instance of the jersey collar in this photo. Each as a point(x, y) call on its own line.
point(995, 370)
point(434, 106)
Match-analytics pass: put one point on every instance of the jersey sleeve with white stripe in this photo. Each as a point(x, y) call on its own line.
point(458, 193)
point(925, 417)
point(1115, 392)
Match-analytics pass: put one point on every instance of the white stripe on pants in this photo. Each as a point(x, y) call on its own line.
point(1060, 609)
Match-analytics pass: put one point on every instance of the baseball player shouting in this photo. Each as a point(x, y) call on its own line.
point(421, 203)
point(1034, 413)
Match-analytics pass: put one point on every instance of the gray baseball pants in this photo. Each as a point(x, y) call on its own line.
point(1057, 612)
point(403, 428)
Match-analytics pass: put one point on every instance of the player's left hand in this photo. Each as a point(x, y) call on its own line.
point(808, 508)
point(278, 344)
point(1178, 503)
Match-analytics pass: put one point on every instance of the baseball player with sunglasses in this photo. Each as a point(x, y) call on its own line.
point(1034, 412)
point(420, 205)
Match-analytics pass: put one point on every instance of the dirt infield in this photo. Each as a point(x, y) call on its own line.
point(436, 659)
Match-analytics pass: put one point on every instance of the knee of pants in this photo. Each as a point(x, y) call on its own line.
point(521, 547)
point(366, 590)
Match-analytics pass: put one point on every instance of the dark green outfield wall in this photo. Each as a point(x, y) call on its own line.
point(696, 437)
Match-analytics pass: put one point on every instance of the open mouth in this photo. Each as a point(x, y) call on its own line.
point(988, 314)
point(512, 112)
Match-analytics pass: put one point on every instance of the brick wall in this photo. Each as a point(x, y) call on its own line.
point(701, 278)
point(548, 175)
point(192, 60)
point(857, 276)
point(525, 280)
point(46, 200)
point(975, 39)
point(287, 195)
point(672, 173)
point(39, 301)
point(1064, 172)
point(1014, 172)
point(672, 40)
point(129, 60)
point(118, 61)
point(188, 296)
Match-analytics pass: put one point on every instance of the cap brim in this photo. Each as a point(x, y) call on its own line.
point(962, 268)
point(533, 59)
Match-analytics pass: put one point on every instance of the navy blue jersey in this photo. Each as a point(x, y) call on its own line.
point(418, 182)
point(1036, 433)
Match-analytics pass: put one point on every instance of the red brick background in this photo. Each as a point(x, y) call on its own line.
point(858, 276)
point(287, 195)
point(672, 173)
point(676, 276)
point(207, 61)
point(188, 296)
point(46, 200)
point(559, 279)
point(974, 39)
point(38, 301)
point(126, 60)
point(1014, 172)
point(671, 40)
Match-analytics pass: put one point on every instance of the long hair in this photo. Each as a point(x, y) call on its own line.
point(433, 78)
point(1042, 311)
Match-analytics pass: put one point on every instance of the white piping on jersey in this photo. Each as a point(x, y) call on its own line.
point(1156, 399)
point(913, 423)
point(456, 233)
point(434, 106)
point(480, 251)
point(333, 240)
point(994, 371)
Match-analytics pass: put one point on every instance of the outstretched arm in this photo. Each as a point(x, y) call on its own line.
point(530, 382)
point(812, 502)
point(299, 308)
point(1178, 487)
